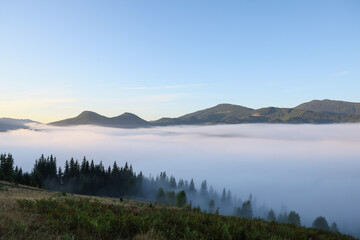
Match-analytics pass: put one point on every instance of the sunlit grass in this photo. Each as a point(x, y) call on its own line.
point(31, 213)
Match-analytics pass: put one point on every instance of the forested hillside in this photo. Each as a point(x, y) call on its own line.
point(88, 178)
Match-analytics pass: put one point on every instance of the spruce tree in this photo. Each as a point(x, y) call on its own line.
point(181, 199)
point(192, 186)
point(321, 223)
point(271, 216)
point(294, 218)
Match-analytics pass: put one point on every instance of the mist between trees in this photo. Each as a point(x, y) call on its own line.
point(89, 178)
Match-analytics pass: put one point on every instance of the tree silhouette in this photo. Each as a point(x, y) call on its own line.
point(6, 167)
point(271, 216)
point(172, 182)
point(171, 198)
point(211, 206)
point(160, 196)
point(223, 195)
point(245, 211)
point(181, 199)
point(203, 189)
point(192, 186)
point(294, 218)
point(321, 223)
point(334, 227)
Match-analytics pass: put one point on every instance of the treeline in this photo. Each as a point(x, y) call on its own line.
point(89, 178)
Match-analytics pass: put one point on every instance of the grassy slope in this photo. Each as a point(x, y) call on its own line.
point(52, 215)
point(331, 106)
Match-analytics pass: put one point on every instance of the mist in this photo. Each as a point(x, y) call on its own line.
point(311, 169)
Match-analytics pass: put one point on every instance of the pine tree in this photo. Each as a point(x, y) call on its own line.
point(181, 199)
point(171, 198)
point(203, 190)
point(83, 166)
point(181, 183)
point(245, 211)
point(60, 175)
point(228, 196)
point(160, 196)
point(271, 216)
point(334, 227)
point(192, 186)
point(283, 218)
point(211, 206)
point(321, 223)
point(7, 167)
point(294, 218)
point(172, 182)
point(223, 195)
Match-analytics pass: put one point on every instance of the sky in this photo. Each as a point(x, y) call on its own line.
point(168, 58)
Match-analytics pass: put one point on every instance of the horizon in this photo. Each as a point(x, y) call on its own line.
point(150, 120)
point(160, 59)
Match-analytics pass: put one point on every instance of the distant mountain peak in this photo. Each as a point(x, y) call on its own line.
point(126, 120)
point(331, 107)
point(13, 124)
point(88, 113)
point(128, 114)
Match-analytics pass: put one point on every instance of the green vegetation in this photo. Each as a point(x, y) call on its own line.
point(331, 107)
point(84, 219)
point(234, 114)
point(2, 188)
point(92, 179)
point(271, 216)
point(321, 223)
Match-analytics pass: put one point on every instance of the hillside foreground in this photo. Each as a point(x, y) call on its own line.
point(33, 213)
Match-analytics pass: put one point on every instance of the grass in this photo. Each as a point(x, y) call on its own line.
point(30, 213)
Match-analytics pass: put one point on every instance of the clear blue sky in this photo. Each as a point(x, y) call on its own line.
point(167, 58)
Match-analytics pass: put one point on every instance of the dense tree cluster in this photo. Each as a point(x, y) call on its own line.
point(94, 179)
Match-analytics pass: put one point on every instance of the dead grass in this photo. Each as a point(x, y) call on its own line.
point(15, 223)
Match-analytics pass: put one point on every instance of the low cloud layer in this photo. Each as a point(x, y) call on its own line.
point(312, 169)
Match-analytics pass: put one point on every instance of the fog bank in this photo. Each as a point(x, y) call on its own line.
point(312, 169)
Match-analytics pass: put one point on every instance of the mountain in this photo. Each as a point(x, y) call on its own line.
point(129, 119)
point(331, 107)
point(84, 118)
point(316, 111)
point(222, 113)
point(291, 115)
point(126, 120)
point(13, 124)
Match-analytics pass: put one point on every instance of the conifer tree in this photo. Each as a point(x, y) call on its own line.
point(271, 216)
point(294, 218)
point(321, 223)
point(211, 206)
point(160, 196)
point(181, 199)
point(203, 189)
point(192, 186)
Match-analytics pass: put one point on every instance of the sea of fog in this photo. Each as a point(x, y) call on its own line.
point(312, 169)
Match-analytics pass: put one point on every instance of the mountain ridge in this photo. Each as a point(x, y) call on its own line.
point(14, 124)
point(331, 107)
point(315, 111)
point(125, 120)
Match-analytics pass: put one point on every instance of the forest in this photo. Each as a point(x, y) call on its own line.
point(88, 178)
